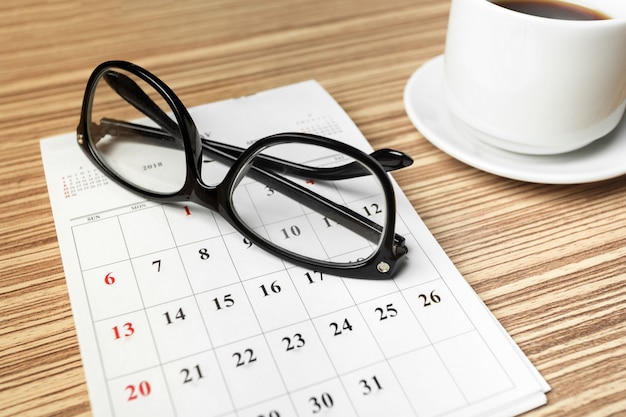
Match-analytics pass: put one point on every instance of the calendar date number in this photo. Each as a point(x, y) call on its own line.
point(244, 358)
point(126, 330)
point(135, 392)
point(178, 315)
point(430, 299)
point(388, 312)
point(370, 385)
point(293, 343)
point(321, 402)
point(339, 329)
point(109, 279)
point(272, 413)
point(191, 374)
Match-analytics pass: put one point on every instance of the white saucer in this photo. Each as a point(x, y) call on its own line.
point(425, 106)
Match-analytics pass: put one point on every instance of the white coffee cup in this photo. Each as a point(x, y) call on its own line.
point(536, 85)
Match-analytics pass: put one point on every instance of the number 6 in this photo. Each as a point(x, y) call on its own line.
point(109, 279)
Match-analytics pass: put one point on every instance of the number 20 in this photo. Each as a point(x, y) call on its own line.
point(143, 389)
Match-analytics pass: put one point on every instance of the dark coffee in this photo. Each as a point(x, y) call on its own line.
point(552, 9)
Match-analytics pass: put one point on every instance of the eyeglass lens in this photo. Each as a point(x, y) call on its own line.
point(145, 150)
point(296, 221)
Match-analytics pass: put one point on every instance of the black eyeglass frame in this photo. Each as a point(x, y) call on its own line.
point(379, 265)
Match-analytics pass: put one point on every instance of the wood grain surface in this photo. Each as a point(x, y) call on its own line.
point(549, 261)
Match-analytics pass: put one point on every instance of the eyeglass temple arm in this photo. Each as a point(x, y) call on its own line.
point(128, 89)
point(389, 159)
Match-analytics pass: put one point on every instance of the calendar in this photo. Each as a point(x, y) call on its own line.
point(179, 315)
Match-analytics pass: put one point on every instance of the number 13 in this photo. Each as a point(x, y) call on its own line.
point(127, 331)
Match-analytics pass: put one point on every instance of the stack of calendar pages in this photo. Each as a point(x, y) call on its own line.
point(172, 319)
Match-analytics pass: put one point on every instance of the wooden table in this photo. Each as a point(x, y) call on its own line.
point(548, 260)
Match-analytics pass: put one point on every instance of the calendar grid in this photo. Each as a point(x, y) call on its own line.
point(356, 304)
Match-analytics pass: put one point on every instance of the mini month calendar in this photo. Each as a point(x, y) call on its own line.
point(179, 315)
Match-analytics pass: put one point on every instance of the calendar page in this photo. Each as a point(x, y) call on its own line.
point(179, 315)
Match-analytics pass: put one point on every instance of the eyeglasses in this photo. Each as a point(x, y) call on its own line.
point(313, 201)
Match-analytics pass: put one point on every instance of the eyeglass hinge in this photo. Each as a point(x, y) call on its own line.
point(383, 267)
point(80, 138)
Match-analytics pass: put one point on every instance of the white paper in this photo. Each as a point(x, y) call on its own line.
point(168, 342)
